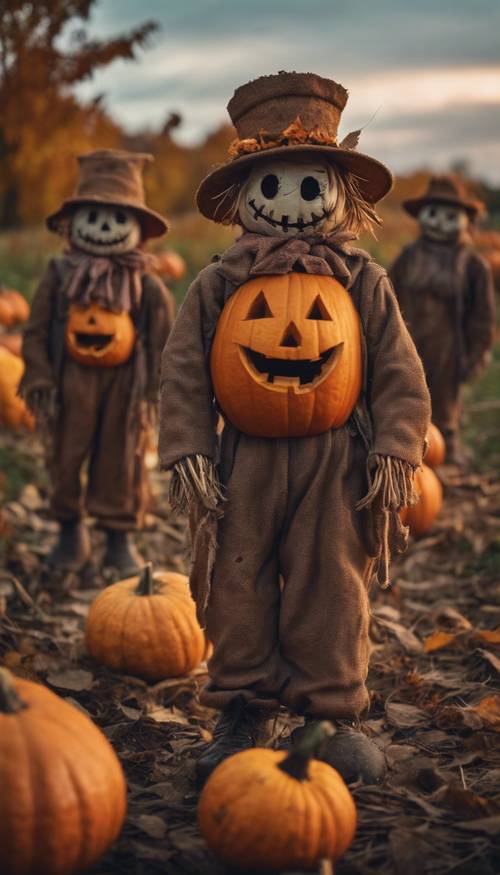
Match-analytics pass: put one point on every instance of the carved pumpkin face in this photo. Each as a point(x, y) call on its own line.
point(286, 356)
point(99, 337)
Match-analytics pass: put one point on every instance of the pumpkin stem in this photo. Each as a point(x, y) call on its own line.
point(10, 702)
point(146, 580)
point(296, 764)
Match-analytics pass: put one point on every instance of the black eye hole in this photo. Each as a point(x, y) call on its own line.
point(318, 311)
point(309, 189)
point(92, 217)
point(120, 217)
point(450, 215)
point(269, 186)
point(432, 212)
point(259, 308)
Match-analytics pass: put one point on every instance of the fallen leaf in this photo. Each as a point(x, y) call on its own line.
point(489, 825)
point(493, 660)
point(489, 711)
point(152, 825)
point(73, 679)
point(438, 640)
point(491, 636)
point(405, 716)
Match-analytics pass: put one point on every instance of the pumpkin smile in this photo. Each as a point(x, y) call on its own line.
point(93, 341)
point(96, 242)
point(299, 374)
point(285, 222)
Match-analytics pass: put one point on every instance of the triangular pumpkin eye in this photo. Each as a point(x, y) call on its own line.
point(259, 308)
point(319, 311)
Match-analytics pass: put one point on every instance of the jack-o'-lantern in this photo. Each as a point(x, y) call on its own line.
point(98, 337)
point(286, 357)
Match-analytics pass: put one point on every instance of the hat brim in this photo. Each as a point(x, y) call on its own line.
point(152, 223)
point(373, 178)
point(414, 205)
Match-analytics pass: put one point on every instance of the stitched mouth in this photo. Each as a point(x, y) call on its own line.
point(93, 341)
point(284, 223)
point(87, 239)
point(300, 374)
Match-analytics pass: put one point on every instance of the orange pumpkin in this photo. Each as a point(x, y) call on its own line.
point(286, 356)
point(170, 264)
point(264, 810)
point(13, 410)
point(436, 449)
point(420, 516)
point(63, 793)
point(99, 338)
point(146, 626)
point(14, 307)
point(12, 342)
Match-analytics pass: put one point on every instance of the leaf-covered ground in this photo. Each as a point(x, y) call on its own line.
point(433, 677)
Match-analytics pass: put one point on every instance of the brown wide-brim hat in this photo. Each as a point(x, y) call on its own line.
point(445, 189)
point(288, 114)
point(112, 177)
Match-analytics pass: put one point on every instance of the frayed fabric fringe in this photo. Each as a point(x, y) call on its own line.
point(194, 480)
point(391, 487)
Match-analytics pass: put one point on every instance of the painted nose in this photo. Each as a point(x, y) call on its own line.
point(104, 226)
point(292, 336)
point(91, 320)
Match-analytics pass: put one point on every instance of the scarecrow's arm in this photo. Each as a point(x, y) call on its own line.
point(187, 413)
point(479, 315)
point(160, 309)
point(39, 371)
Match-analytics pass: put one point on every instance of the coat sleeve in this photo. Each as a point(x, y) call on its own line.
point(39, 370)
point(187, 411)
point(479, 313)
point(397, 392)
point(159, 318)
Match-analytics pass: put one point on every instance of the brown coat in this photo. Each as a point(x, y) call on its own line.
point(445, 292)
point(290, 503)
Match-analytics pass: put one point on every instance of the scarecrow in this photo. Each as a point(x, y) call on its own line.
point(92, 349)
point(295, 338)
point(445, 291)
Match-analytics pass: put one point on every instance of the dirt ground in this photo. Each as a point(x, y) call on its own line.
point(433, 679)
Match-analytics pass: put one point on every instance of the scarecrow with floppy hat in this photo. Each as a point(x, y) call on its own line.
point(92, 348)
point(295, 338)
point(445, 291)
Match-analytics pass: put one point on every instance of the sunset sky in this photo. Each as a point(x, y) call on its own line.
point(430, 72)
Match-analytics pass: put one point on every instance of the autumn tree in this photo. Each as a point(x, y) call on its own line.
point(45, 51)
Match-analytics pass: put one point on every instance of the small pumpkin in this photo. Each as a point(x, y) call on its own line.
point(98, 337)
point(14, 307)
point(436, 447)
point(286, 356)
point(420, 516)
point(63, 793)
point(12, 342)
point(171, 265)
point(266, 810)
point(13, 410)
point(146, 626)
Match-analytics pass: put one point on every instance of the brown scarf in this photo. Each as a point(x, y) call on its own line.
point(112, 281)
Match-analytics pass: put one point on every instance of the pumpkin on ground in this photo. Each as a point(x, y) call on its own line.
point(63, 793)
point(146, 626)
point(286, 356)
point(14, 307)
point(13, 410)
point(171, 265)
point(13, 342)
point(266, 810)
point(436, 449)
point(420, 516)
point(99, 338)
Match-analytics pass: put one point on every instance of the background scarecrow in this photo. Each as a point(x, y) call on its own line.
point(92, 347)
point(445, 291)
point(296, 338)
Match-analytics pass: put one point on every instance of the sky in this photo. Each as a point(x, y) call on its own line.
point(428, 71)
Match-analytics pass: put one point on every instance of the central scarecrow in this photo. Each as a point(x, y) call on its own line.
point(295, 338)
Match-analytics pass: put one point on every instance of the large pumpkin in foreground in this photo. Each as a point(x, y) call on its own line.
point(420, 516)
point(436, 447)
point(62, 789)
point(286, 356)
point(99, 338)
point(146, 626)
point(264, 810)
point(13, 410)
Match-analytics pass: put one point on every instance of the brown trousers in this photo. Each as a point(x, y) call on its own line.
point(288, 610)
point(97, 425)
